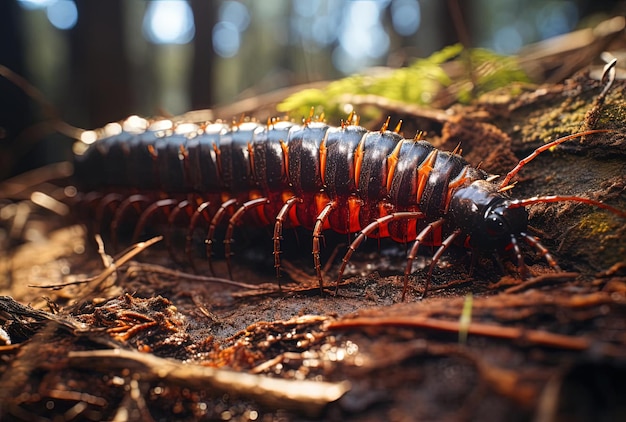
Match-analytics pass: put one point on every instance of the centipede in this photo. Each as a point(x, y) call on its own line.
point(346, 178)
point(368, 184)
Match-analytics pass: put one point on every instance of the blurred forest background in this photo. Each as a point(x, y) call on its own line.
point(100, 61)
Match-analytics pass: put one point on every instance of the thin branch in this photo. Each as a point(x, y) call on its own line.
point(534, 337)
point(308, 396)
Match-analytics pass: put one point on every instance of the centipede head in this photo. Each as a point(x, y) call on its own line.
point(499, 225)
point(486, 216)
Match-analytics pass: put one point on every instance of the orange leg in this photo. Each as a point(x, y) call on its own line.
point(199, 212)
point(369, 229)
point(444, 245)
point(214, 223)
point(278, 232)
point(413, 252)
point(317, 235)
point(163, 204)
point(228, 239)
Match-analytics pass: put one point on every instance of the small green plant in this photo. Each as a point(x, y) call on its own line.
point(418, 83)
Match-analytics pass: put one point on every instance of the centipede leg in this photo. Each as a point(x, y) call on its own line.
point(149, 212)
point(89, 201)
point(520, 259)
point(542, 250)
point(193, 222)
point(107, 202)
point(278, 232)
point(214, 223)
point(317, 235)
point(170, 227)
point(413, 252)
point(133, 202)
point(444, 245)
point(407, 215)
point(228, 239)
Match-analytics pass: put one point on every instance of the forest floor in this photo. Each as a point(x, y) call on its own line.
point(147, 342)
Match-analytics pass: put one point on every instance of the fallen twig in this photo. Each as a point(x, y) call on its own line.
point(542, 280)
point(159, 269)
point(136, 249)
point(530, 337)
point(307, 396)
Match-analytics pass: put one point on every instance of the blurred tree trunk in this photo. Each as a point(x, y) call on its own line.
point(15, 111)
point(99, 63)
point(202, 73)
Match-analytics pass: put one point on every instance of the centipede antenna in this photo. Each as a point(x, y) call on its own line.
point(517, 203)
point(543, 148)
point(385, 125)
point(398, 126)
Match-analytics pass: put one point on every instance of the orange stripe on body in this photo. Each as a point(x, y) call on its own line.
point(423, 173)
point(251, 155)
point(285, 149)
point(455, 184)
point(358, 161)
point(392, 163)
point(323, 153)
point(218, 159)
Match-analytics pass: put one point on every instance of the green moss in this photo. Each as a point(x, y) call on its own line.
point(612, 112)
point(595, 224)
point(418, 83)
point(551, 121)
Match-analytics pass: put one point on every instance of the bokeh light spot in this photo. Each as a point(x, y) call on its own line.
point(169, 22)
point(63, 14)
point(226, 39)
